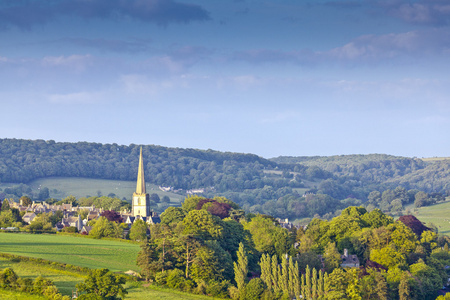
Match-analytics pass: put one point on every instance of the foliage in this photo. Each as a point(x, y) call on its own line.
point(41, 286)
point(172, 215)
point(138, 231)
point(104, 228)
point(414, 224)
point(267, 236)
point(103, 283)
point(43, 222)
point(241, 269)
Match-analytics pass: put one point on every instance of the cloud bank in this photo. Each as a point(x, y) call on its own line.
point(25, 14)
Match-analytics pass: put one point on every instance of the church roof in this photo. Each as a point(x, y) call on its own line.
point(140, 186)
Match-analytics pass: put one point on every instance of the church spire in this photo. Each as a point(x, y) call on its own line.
point(140, 187)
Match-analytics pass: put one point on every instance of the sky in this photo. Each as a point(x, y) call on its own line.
point(272, 78)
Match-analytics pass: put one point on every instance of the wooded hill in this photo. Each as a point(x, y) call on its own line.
point(276, 186)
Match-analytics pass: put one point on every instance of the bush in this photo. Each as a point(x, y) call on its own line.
point(161, 278)
point(25, 285)
point(176, 280)
point(8, 279)
point(218, 288)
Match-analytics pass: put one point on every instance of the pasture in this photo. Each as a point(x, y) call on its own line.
point(65, 281)
point(79, 251)
point(438, 214)
point(61, 187)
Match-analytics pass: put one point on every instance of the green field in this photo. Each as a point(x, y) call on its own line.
point(438, 214)
point(82, 187)
point(10, 295)
point(65, 281)
point(79, 251)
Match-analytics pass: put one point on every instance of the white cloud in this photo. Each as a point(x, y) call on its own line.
point(77, 62)
point(76, 98)
point(141, 84)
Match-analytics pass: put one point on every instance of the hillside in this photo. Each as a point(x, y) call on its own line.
point(274, 186)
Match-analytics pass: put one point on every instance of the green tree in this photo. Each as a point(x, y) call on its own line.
point(105, 228)
point(42, 222)
point(103, 283)
point(241, 269)
point(268, 237)
point(5, 205)
point(332, 257)
point(202, 224)
point(155, 198)
point(25, 201)
point(172, 215)
point(337, 285)
point(254, 289)
point(147, 260)
point(44, 194)
point(138, 231)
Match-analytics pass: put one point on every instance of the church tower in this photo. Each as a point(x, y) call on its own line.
point(141, 200)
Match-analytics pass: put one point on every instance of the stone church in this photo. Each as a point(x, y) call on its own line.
point(141, 199)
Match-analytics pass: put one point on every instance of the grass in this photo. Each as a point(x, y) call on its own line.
point(113, 255)
point(65, 281)
point(116, 256)
point(438, 214)
point(137, 291)
point(12, 295)
point(432, 159)
point(82, 187)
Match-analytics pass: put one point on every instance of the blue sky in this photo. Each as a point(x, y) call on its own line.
point(286, 77)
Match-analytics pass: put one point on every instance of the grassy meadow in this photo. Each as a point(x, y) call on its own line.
point(65, 281)
point(438, 214)
point(79, 251)
point(82, 187)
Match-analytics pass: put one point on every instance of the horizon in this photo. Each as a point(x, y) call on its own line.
point(279, 78)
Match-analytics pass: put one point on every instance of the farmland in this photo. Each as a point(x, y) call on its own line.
point(114, 255)
point(61, 187)
point(437, 214)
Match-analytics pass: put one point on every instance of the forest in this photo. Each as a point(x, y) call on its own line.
point(292, 187)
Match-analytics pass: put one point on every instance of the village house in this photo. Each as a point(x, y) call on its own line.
point(349, 261)
point(29, 217)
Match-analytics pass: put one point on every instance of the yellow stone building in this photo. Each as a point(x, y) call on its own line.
point(141, 200)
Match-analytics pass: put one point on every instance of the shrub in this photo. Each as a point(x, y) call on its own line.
point(176, 280)
point(161, 278)
point(8, 279)
point(218, 288)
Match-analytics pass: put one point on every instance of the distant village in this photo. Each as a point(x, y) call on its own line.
point(72, 217)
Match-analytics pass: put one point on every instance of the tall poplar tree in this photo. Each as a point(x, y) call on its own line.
point(241, 269)
point(314, 283)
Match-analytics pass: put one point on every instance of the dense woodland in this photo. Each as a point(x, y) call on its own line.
point(291, 187)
